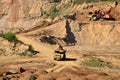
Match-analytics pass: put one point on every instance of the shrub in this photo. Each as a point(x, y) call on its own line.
point(28, 52)
point(25, 53)
point(11, 37)
point(53, 12)
point(96, 62)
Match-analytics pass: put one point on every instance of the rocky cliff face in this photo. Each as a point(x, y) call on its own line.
point(20, 13)
point(97, 33)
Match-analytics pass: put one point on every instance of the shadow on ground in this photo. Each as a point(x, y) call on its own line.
point(70, 59)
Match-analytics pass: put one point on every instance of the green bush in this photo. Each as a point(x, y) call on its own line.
point(53, 12)
point(10, 37)
point(28, 52)
point(96, 62)
point(25, 53)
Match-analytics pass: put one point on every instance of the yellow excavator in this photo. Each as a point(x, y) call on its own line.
point(59, 54)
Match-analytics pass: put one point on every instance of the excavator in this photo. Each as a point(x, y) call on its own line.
point(59, 54)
